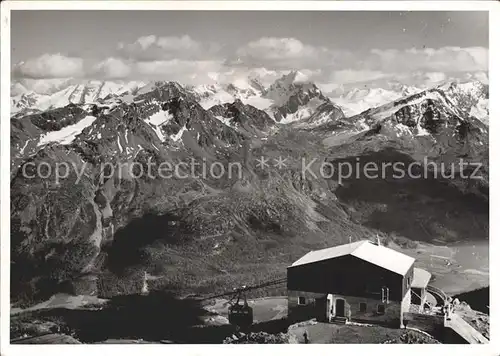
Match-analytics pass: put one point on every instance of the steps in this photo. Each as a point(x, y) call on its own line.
point(339, 320)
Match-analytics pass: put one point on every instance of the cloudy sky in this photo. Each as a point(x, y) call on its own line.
point(205, 47)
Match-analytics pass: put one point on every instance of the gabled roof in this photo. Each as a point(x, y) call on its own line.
point(381, 256)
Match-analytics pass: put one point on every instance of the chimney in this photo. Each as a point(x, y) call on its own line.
point(378, 241)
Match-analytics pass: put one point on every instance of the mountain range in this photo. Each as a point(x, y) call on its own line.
point(99, 229)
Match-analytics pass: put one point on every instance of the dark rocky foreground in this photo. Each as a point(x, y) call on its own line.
point(157, 317)
point(161, 318)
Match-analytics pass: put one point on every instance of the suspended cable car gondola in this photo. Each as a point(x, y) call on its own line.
point(239, 312)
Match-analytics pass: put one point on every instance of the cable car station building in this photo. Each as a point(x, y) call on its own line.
point(361, 281)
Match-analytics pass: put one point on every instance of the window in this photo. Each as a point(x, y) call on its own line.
point(385, 295)
point(381, 309)
point(302, 300)
point(362, 307)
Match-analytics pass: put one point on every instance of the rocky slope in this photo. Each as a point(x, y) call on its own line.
point(151, 181)
point(471, 97)
point(436, 168)
point(294, 99)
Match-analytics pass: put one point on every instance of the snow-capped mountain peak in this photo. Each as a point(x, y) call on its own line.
point(289, 98)
point(287, 80)
point(470, 97)
point(358, 100)
point(248, 90)
point(77, 93)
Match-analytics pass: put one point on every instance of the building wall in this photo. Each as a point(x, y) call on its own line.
point(314, 308)
point(348, 275)
point(408, 278)
point(391, 316)
point(405, 306)
point(405, 303)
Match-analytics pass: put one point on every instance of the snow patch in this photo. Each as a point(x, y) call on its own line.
point(225, 120)
point(140, 149)
point(387, 110)
point(158, 119)
point(362, 125)
point(359, 100)
point(481, 111)
point(179, 134)
point(211, 95)
point(303, 112)
point(322, 119)
point(67, 134)
point(119, 145)
point(23, 148)
point(398, 130)
point(421, 131)
point(258, 102)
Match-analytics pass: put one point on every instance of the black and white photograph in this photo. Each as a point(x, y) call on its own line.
point(246, 176)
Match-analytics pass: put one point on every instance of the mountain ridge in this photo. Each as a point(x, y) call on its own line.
point(200, 232)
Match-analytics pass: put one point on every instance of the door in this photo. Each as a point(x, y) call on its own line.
point(340, 307)
point(320, 304)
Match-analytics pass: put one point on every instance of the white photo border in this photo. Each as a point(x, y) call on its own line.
point(493, 348)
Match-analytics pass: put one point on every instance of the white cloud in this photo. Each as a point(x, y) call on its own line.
point(482, 77)
point(281, 53)
point(188, 61)
point(435, 77)
point(355, 76)
point(185, 71)
point(446, 59)
point(276, 48)
point(235, 74)
point(112, 68)
point(50, 66)
point(151, 48)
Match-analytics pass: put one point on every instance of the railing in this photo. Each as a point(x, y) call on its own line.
point(438, 293)
point(448, 320)
point(420, 308)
